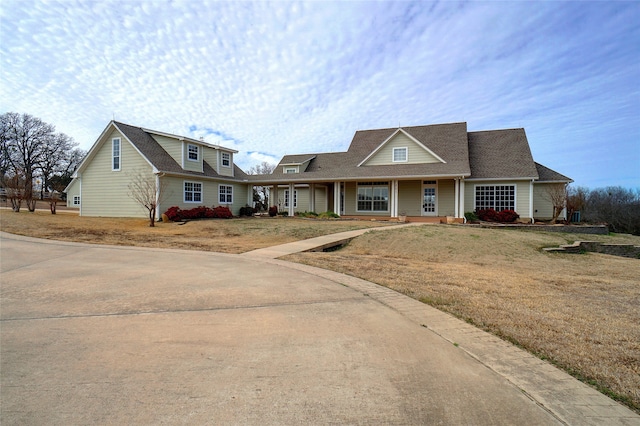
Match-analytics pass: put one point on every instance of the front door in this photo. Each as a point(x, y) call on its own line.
point(429, 198)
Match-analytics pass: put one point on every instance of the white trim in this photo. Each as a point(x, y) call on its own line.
point(286, 169)
point(186, 138)
point(406, 154)
point(222, 159)
point(461, 197)
point(387, 210)
point(531, 200)
point(119, 156)
point(189, 145)
point(391, 137)
point(515, 195)
point(456, 191)
point(300, 163)
point(504, 179)
point(435, 202)
point(220, 185)
point(287, 198)
point(184, 192)
point(303, 179)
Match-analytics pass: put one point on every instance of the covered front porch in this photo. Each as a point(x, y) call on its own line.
point(429, 200)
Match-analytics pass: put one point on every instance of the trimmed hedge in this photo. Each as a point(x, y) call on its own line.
point(176, 214)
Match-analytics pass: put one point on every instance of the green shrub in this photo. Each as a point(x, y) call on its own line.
point(471, 217)
point(328, 215)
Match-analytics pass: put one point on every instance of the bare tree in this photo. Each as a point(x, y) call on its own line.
point(615, 205)
point(24, 138)
point(576, 200)
point(557, 194)
point(58, 157)
point(261, 193)
point(148, 190)
point(14, 187)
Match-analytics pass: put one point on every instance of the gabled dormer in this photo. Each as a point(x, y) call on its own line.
point(401, 148)
point(293, 167)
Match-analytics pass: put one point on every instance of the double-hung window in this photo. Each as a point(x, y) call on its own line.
point(497, 197)
point(373, 196)
point(225, 194)
point(400, 155)
point(226, 159)
point(115, 154)
point(76, 200)
point(192, 192)
point(287, 197)
point(192, 151)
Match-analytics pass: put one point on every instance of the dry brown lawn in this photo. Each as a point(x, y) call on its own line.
point(581, 312)
point(219, 235)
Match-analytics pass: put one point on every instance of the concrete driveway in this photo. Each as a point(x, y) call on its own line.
point(116, 335)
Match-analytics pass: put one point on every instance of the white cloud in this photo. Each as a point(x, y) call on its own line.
point(280, 77)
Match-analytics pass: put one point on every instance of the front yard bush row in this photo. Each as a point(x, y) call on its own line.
point(176, 214)
point(490, 215)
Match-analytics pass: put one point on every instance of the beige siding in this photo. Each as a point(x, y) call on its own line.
point(222, 170)
point(522, 195)
point(446, 198)
point(174, 187)
point(542, 205)
point(191, 165)
point(416, 153)
point(172, 146)
point(410, 197)
point(351, 199)
point(104, 192)
point(74, 190)
point(210, 155)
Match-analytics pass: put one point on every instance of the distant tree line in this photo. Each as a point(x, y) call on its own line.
point(616, 206)
point(31, 150)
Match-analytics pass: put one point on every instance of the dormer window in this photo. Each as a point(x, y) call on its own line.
point(192, 152)
point(400, 155)
point(288, 170)
point(226, 159)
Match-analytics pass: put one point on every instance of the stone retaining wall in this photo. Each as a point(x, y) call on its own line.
point(573, 229)
point(624, 250)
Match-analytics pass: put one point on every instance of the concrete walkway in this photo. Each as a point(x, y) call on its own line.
point(317, 243)
point(124, 335)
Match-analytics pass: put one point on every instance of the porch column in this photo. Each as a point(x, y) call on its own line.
point(312, 197)
point(336, 198)
point(461, 197)
point(531, 200)
point(250, 195)
point(394, 198)
point(292, 209)
point(456, 186)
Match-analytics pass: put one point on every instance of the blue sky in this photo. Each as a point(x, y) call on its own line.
point(275, 78)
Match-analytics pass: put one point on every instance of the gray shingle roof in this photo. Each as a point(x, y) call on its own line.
point(161, 160)
point(448, 141)
point(501, 154)
point(548, 175)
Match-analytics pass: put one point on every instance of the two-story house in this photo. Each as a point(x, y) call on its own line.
point(191, 172)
